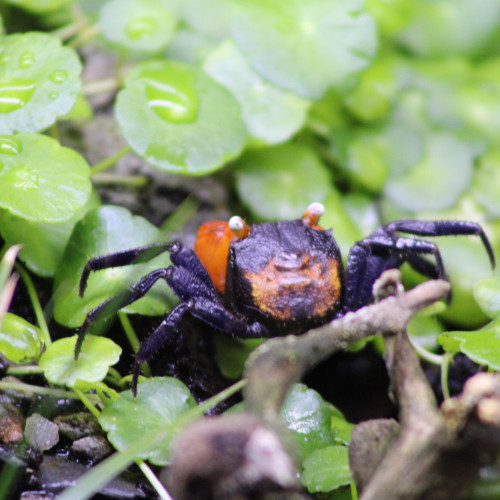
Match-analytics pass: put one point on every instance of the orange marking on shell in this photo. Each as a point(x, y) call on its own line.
point(212, 248)
point(316, 283)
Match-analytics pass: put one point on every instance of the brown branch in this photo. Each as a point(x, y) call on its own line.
point(280, 362)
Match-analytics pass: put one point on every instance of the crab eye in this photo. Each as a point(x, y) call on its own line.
point(238, 226)
point(313, 213)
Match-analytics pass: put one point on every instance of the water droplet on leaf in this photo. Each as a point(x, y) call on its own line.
point(59, 76)
point(53, 96)
point(172, 94)
point(10, 145)
point(140, 27)
point(15, 93)
point(26, 60)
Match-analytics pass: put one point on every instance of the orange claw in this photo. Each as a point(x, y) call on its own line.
point(212, 248)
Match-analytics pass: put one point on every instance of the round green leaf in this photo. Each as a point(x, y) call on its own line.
point(486, 183)
point(20, 341)
point(39, 81)
point(97, 355)
point(43, 243)
point(280, 182)
point(102, 231)
point(179, 119)
point(208, 17)
point(447, 27)
point(487, 295)
point(305, 46)
point(466, 262)
point(372, 98)
point(142, 25)
point(158, 403)
point(39, 6)
point(40, 180)
point(437, 181)
point(391, 15)
point(326, 469)
point(272, 115)
point(307, 416)
point(482, 346)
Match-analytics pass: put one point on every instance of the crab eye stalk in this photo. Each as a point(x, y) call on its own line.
point(312, 214)
point(238, 227)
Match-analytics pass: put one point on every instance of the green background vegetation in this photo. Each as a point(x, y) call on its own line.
point(380, 110)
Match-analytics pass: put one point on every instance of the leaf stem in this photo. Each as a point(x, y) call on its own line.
point(54, 131)
point(24, 370)
point(100, 86)
point(30, 287)
point(84, 36)
point(48, 391)
point(88, 404)
point(110, 161)
point(445, 366)
point(70, 29)
point(133, 339)
point(435, 359)
point(219, 397)
point(155, 482)
point(135, 181)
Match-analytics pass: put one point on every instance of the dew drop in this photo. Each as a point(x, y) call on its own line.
point(26, 60)
point(53, 96)
point(10, 145)
point(58, 76)
point(140, 27)
point(21, 178)
point(172, 94)
point(15, 93)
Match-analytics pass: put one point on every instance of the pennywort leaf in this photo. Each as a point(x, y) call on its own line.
point(159, 401)
point(40, 180)
point(20, 341)
point(306, 47)
point(39, 81)
point(272, 115)
point(179, 119)
point(102, 231)
point(96, 356)
point(141, 25)
point(280, 182)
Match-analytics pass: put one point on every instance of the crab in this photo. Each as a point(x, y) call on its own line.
point(271, 279)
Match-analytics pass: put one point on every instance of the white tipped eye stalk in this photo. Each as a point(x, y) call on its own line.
point(238, 226)
point(313, 213)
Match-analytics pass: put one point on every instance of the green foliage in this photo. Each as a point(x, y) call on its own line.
point(159, 402)
point(43, 242)
point(307, 415)
point(61, 367)
point(321, 434)
point(39, 81)
point(102, 231)
point(380, 110)
point(326, 469)
point(305, 47)
point(140, 25)
point(179, 119)
point(20, 341)
point(278, 183)
point(39, 6)
point(272, 115)
point(40, 180)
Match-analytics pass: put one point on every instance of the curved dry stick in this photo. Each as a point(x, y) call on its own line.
point(277, 364)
